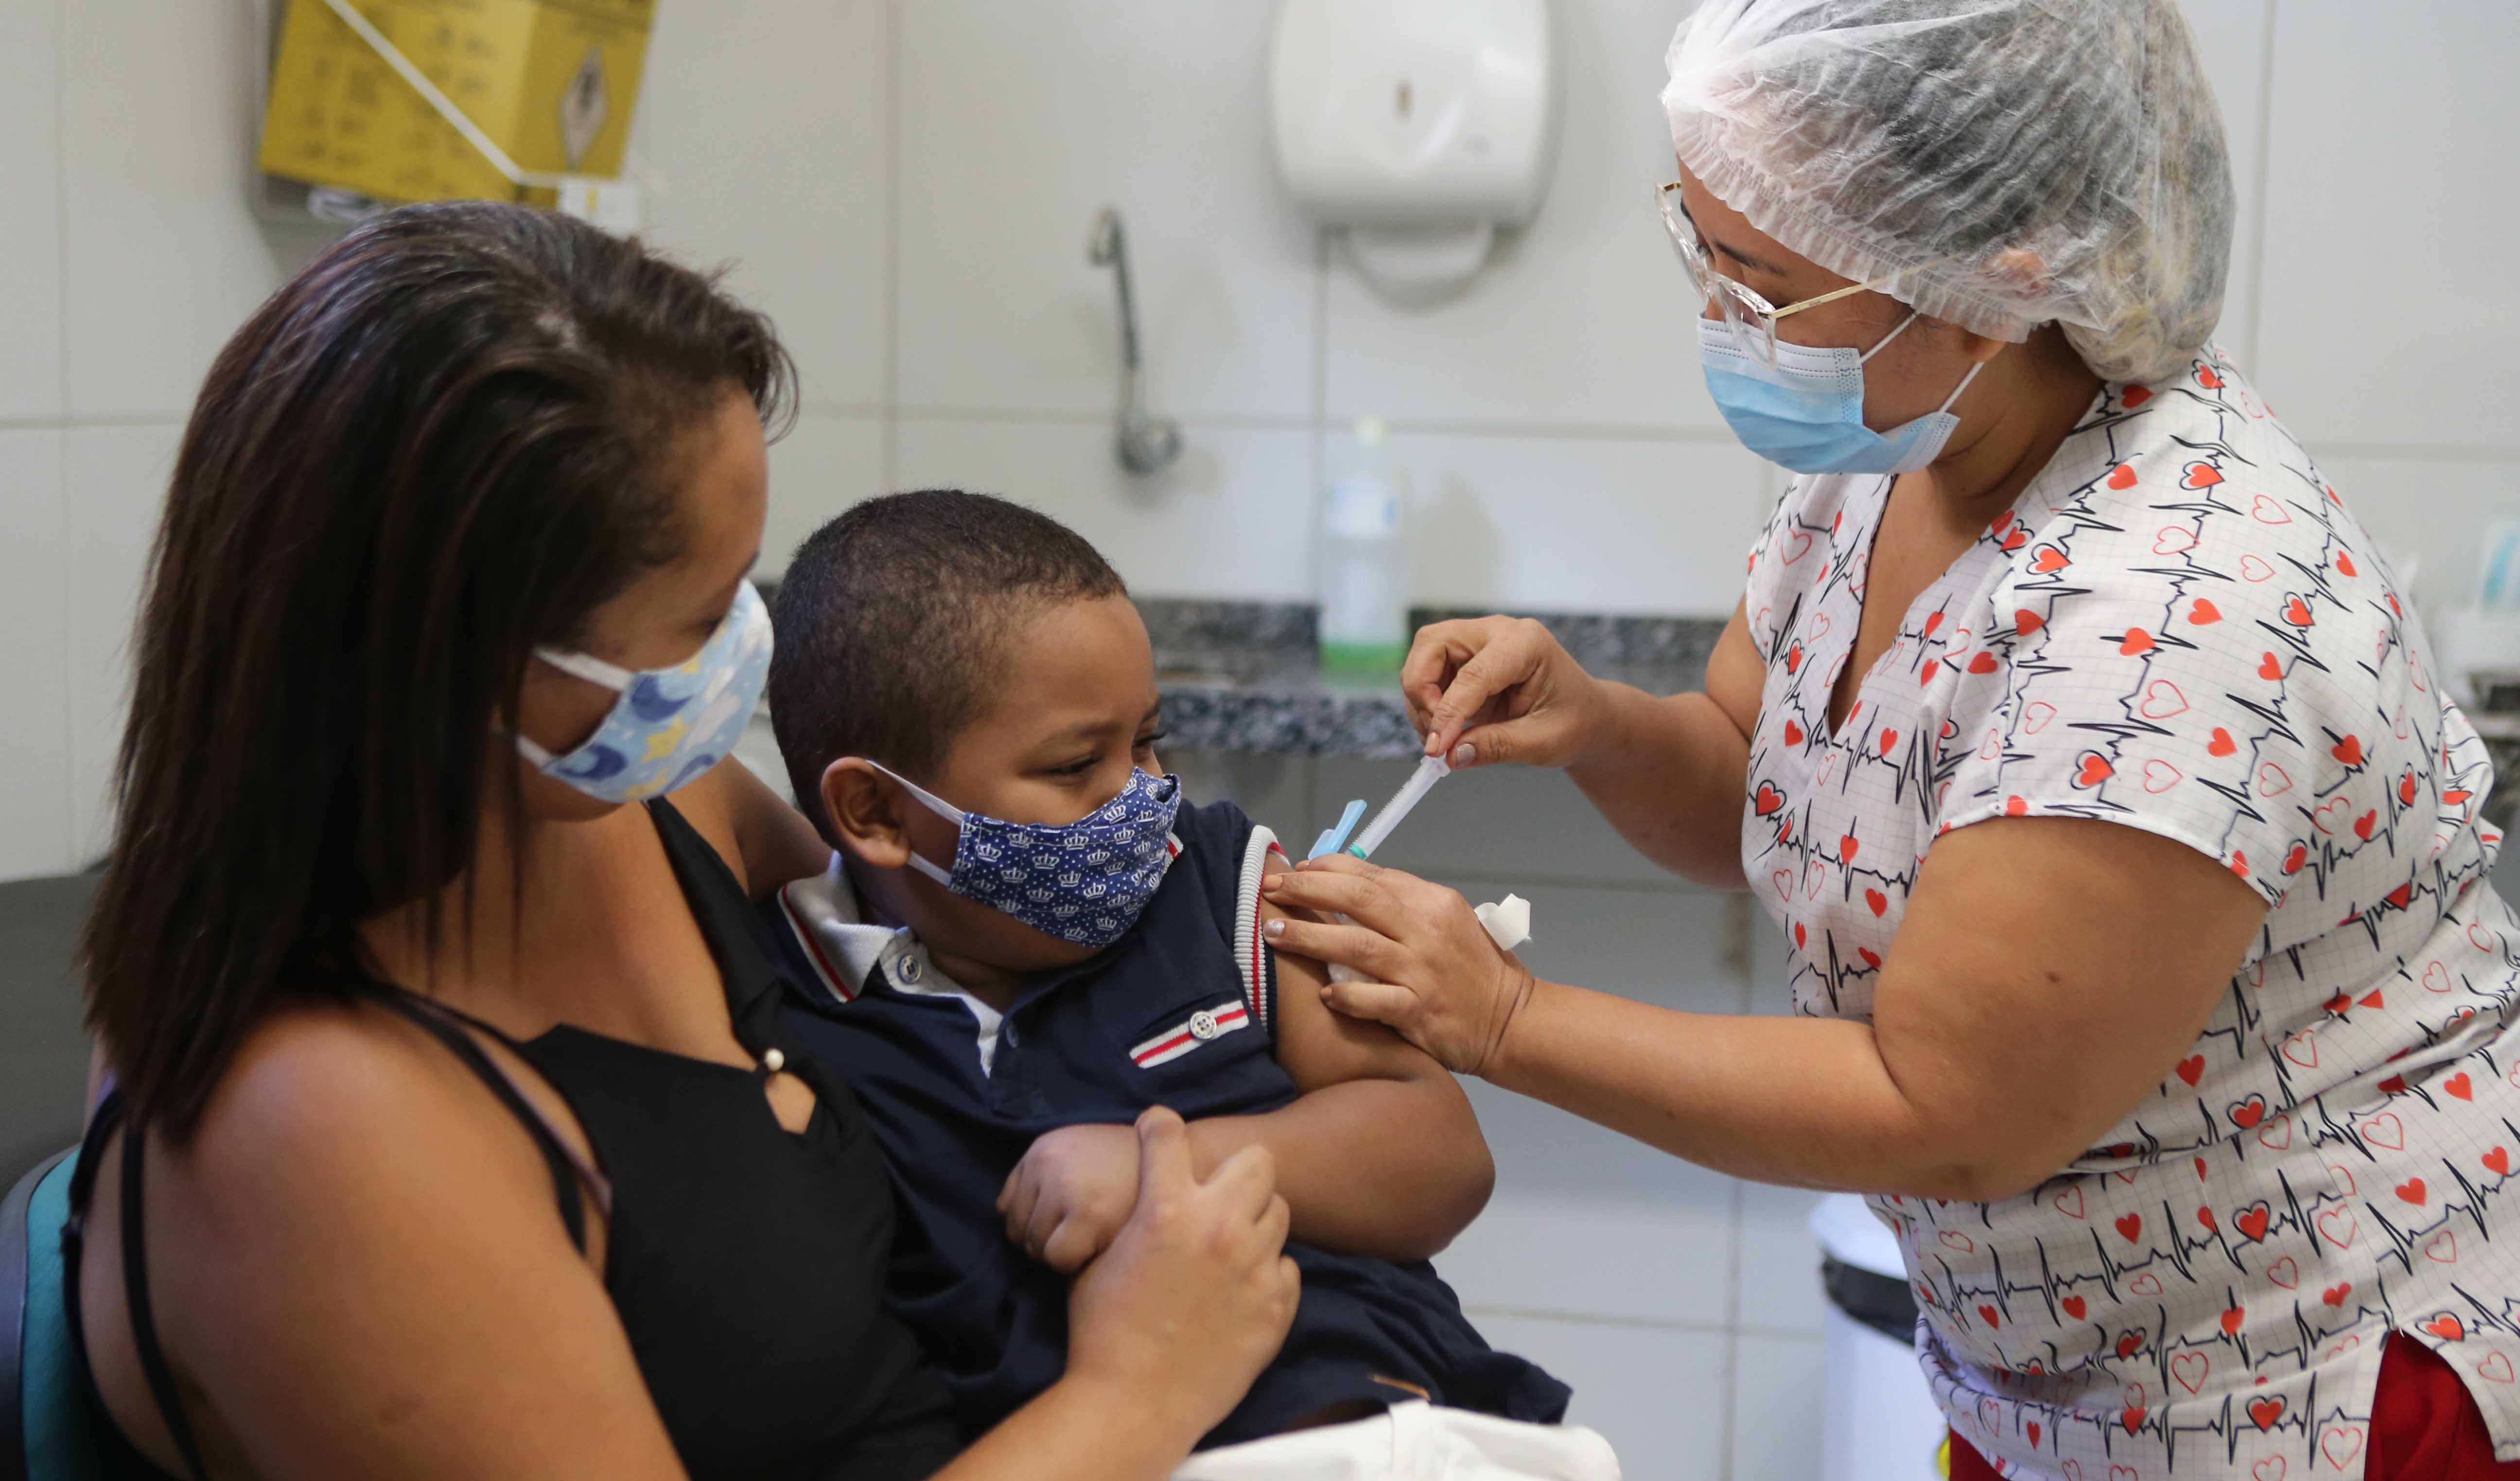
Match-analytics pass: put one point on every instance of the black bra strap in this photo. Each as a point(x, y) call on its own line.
point(432, 1017)
point(135, 1299)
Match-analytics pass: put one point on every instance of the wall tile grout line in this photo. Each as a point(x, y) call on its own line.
point(2266, 158)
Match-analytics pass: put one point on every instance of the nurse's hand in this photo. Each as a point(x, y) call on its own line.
point(1486, 689)
point(1193, 1299)
point(1434, 974)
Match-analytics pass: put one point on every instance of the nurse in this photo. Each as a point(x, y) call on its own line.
point(2087, 754)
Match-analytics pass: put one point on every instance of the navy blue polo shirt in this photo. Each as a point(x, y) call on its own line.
point(1179, 1013)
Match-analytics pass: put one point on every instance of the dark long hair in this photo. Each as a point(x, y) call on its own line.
point(443, 443)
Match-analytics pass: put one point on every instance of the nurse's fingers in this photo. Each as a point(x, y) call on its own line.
point(1350, 946)
point(1164, 1171)
point(1246, 1182)
point(1437, 653)
point(1382, 1002)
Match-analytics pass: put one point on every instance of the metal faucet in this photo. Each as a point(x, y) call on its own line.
point(1146, 442)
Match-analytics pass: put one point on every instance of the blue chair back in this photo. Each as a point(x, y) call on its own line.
point(51, 1426)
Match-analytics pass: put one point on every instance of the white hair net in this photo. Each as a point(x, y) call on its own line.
point(2017, 161)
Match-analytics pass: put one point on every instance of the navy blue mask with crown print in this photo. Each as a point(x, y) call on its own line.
point(1085, 883)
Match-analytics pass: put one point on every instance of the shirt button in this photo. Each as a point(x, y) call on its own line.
point(907, 968)
point(1202, 1025)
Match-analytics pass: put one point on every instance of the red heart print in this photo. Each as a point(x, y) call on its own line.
point(1794, 659)
point(2134, 396)
point(1983, 664)
point(2136, 640)
point(2252, 568)
point(2302, 1049)
point(2448, 1327)
point(2335, 1295)
point(2339, 1179)
point(2337, 1227)
point(2284, 1273)
point(2130, 1226)
point(2221, 744)
point(2296, 611)
point(2160, 776)
point(2273, 780)
point(2162, 700)
point(2340, 1444)
point(1783, 880)
point(2406, 789)
point(2035, 719)
point(2395, 1085)
point(2132, 1418)
point(1871, 960)
point(1933, 620)
point(2270, 670)
point(2271, 1468)
point(1793, 733)
point(2299, 856)
point(2204, 612)
point(2032, 1430)
point(2049, 559)
point(2372, 998)
point(1953, 1239)
point(1987, 1315)
point(2192, 1069)
point(2017, 540)
point(2436, 977)
point(2496, 1368)
point(1846, 848)
point(2385, 1130)
point(2411, 1190)
point(2330, 815)
point(1800, 938)
point(2348, 750)
point(1797, 546)
point(2205, 1216)
point(2345, 564)
point(2025, 621)
point(2068, 1201)
point(2123, 477)
point(2441, 1249)
point(1877, 900)
point(2276, 1135)
point(2247, 1113)
point(2189, 1370)
point(1768, 799)
point(2363, 825)
point(2459, 1085)
point(2206, 378)
point(2074, 1307)
point(2173, 540)
point(2201, 475)
point(2240, 863)
point(2129, 1343)
point(2398, 898)
point(2232, 1319)
point(2095, 770)
point(2267, 510)
point(2015, 807)
point(1889, 738)
point(2264, 1413)
point(2498, 1161)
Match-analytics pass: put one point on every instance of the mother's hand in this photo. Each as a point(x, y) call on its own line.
point(1196, 1295)
point(1500, 689)
point(1435, 976)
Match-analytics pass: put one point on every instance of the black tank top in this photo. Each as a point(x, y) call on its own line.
point(746, 1261)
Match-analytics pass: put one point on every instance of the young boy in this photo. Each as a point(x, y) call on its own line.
point(1027, 939)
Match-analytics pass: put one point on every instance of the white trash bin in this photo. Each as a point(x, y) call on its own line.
point(1878, 1421)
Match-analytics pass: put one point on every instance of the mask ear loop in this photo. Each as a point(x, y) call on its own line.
point(1912, 317)
point(1956, 389)
point(934, 804)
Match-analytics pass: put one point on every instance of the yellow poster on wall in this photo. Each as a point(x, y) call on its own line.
point(550, 83)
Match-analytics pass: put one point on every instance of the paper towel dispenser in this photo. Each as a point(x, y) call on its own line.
point(1418, 126)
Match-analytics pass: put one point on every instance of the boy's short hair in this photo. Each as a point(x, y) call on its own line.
point(892, 620)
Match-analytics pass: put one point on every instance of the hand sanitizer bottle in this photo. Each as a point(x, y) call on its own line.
point(1364, 562)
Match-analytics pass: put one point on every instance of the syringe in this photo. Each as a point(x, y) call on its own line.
point(1432, 770)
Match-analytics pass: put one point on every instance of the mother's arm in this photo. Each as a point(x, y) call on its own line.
point(2047, 976)
point(358, 1270)
point(763, 839)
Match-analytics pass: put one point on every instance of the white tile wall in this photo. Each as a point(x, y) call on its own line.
point(906, 186)
point(30, 245)
point(34, 660)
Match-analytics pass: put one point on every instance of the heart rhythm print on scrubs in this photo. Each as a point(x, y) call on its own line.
point(2179, 627)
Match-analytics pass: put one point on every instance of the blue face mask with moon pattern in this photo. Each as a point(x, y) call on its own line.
point(669, 725)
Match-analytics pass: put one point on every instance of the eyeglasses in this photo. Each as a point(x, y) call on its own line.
point(1752, 318)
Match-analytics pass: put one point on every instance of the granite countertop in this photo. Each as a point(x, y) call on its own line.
point(1245, 676)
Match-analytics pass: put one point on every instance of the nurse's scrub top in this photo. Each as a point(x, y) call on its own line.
point(2179, 627)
